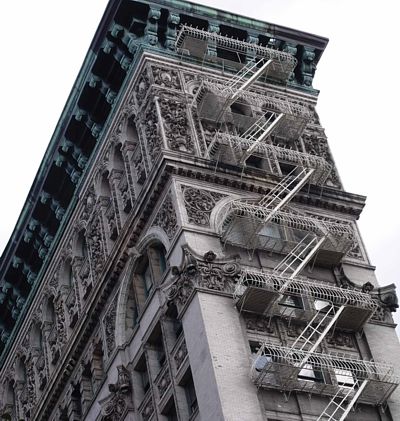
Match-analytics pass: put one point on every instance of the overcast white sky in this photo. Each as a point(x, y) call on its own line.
point(44, 44)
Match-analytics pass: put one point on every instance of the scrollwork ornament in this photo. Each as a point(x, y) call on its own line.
point(199, 204)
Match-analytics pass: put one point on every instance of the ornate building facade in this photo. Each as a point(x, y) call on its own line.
point(187, 250)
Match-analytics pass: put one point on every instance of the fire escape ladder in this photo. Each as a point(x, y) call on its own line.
point(258, 132)
point(241, 81)
point(293, 263)
point(340, 405)
point(278, 197)
point(283, 192)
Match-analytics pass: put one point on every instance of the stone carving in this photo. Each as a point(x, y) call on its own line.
point(166, 78)
point(341, 339)
point(150, 126)
point(307, 66)
point(109, 326)
point(138, 164)
point(163, 382)
point(173, 22)
point(199, 204)
point(114, 407)
point(96, 249)
point(176, 123)
point(180, 355)
point(147, 407)
point(142, 87)
point(166, 217)
point(72, 306)
point(203, 273)
point(259, 324)
point(388, 302)
point(151, 30)
point(88, 201)
point(41, 371)
point(111, 219)
point(123, 189)
point(58, 335)
point(316, 143)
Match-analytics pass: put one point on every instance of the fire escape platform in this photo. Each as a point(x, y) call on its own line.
point(280, 367)
point(241, 223)
point(258, 292)
point(203, 44)
point(213, 100)
point(230, 147)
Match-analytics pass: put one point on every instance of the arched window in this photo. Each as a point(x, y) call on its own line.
point(149, 272)
point(81, 245)
point(153, 266)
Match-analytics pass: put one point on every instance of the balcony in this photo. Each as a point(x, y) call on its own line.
point(206, 45)
point(283, 368)
point(259, 292)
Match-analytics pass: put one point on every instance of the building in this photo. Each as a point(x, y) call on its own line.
point(187, 250)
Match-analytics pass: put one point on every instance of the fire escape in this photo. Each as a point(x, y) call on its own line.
point(269, 223)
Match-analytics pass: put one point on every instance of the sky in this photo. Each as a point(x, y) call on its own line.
point(45, 42)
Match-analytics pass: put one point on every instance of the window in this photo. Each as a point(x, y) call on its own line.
point(152, 267)
point(293, 301)
point(321, 305)
point(145, 380)
point(345, 378)
point(190, 393)
point(260, 361)
point(147, 279)
point(310, 373)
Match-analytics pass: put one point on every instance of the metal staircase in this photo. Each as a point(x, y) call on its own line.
point(340, 405)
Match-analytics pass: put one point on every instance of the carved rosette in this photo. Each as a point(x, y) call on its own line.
point(166, 217)
point(202, 273)
point(199, 204)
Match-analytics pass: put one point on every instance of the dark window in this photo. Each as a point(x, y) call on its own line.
point(145, 381)
point(292, 301)
point(190, 395)
point(310, 373)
